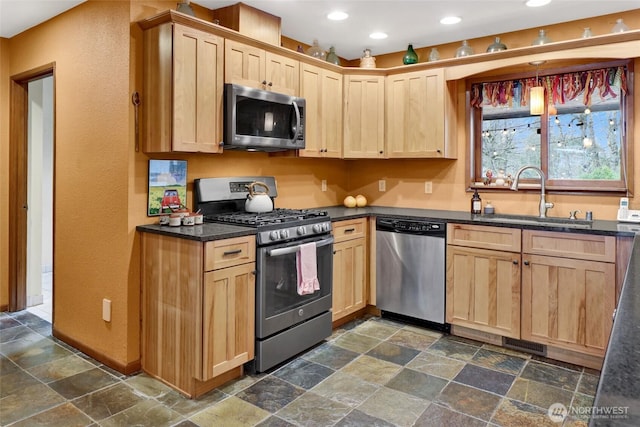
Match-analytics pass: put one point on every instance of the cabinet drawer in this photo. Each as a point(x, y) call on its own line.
point(570, 245)
point(484, 237)
point(229, 252)
point(349, 229)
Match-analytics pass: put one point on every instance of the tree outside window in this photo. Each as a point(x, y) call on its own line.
point(580, 141)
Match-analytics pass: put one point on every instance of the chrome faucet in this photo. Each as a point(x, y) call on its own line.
point(544, 205)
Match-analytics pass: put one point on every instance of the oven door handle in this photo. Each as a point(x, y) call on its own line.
point(294, 249)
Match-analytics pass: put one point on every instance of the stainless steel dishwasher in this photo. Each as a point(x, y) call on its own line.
point(410, 268)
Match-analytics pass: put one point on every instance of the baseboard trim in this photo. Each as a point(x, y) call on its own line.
point(126, 369)
point(4, 307)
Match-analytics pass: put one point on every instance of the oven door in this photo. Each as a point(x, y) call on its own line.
point(278, 304)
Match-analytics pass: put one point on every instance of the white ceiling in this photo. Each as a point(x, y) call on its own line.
point(406, 21)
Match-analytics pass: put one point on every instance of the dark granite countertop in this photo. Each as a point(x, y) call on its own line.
point(338, 213)
point(619, 386)
point(203, 233)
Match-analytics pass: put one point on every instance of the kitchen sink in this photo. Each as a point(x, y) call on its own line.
point(535, 220)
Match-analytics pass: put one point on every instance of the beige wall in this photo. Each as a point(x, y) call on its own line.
point(101, 183)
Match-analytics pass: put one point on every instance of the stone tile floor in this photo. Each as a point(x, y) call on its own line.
point(370, 372)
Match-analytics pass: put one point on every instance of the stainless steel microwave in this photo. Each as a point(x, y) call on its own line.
point(261, 120)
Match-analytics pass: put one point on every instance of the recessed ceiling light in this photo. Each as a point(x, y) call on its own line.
point(378, 35)
point(338, 16)
point(450, 20)
point(537, 3)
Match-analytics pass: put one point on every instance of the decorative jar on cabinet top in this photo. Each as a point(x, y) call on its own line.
point(496, 46)
point(410, 57)
point(434, 55)
point(316, 51)
point(332, 57)
point(464, 50)
point(541, 39)
point(367, 61)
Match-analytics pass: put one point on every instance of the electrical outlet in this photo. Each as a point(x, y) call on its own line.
point(324, 185)
point(428, 187)
point(106, 310)
point(382, 185)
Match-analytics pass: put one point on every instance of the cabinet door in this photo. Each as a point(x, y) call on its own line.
point(322, 90)
point(282, 74)
point(349, 284)
point(568, 303)
point(310, 90)
point(228, 329)
point(244, 64)
point(331, 117)
point(364, 117)
point(483, 290)
point(197, 90)
point(416, 111)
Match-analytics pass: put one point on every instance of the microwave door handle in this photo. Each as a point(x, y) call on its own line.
point(294, 249)
point(297, 110)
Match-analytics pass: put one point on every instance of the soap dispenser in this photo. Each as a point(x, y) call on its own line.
point(476, 203)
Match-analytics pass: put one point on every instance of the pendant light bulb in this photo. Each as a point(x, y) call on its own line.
point(536, 101)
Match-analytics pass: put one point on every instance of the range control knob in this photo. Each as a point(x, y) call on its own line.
point(301, 231)
point(274, 235)
point(284, 234)
point(317, 228)
point(326, 226)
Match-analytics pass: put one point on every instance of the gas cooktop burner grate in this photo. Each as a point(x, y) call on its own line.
point(277, 216)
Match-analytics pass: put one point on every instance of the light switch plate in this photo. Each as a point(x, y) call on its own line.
point(428, 187)
point(323, 185)
point(106, 310)
point(382, 185)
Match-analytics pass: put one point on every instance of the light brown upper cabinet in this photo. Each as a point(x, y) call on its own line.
point(322, 90)
point(421, 111)
point(183, 84)
point(363, 117)
point(254, 67)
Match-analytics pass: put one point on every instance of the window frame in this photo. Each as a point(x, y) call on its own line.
point(624, 186)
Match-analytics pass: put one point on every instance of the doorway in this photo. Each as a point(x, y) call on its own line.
point(32, 136)
point(40, 198)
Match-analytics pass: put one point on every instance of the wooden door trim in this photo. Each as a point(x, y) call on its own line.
point(18, 173)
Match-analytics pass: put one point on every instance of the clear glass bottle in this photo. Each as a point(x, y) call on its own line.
point(185, 8)
point(434, 55)
point(410, 57)
point(464, 50)
point(332, 57)
point(587, 33)
point(541, 39)
point(316, 51)
point(620, 27)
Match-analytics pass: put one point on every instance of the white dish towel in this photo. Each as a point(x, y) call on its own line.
point(307, 269)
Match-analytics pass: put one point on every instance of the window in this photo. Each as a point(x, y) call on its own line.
point(579, 141)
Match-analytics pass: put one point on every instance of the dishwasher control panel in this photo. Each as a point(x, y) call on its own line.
point(410, 226)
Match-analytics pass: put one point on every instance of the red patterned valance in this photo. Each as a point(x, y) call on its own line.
point(560, 88)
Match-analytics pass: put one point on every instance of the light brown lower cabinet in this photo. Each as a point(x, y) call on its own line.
point(483, 285)
point(349, 267)
point(484, 290)
point(551, 288)
point(568, 302)
point(198, 308)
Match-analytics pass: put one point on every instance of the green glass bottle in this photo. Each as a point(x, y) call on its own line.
point(411, 57)
point(332, 56)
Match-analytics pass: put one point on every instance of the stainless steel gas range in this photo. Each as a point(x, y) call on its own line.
point(287, 322)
